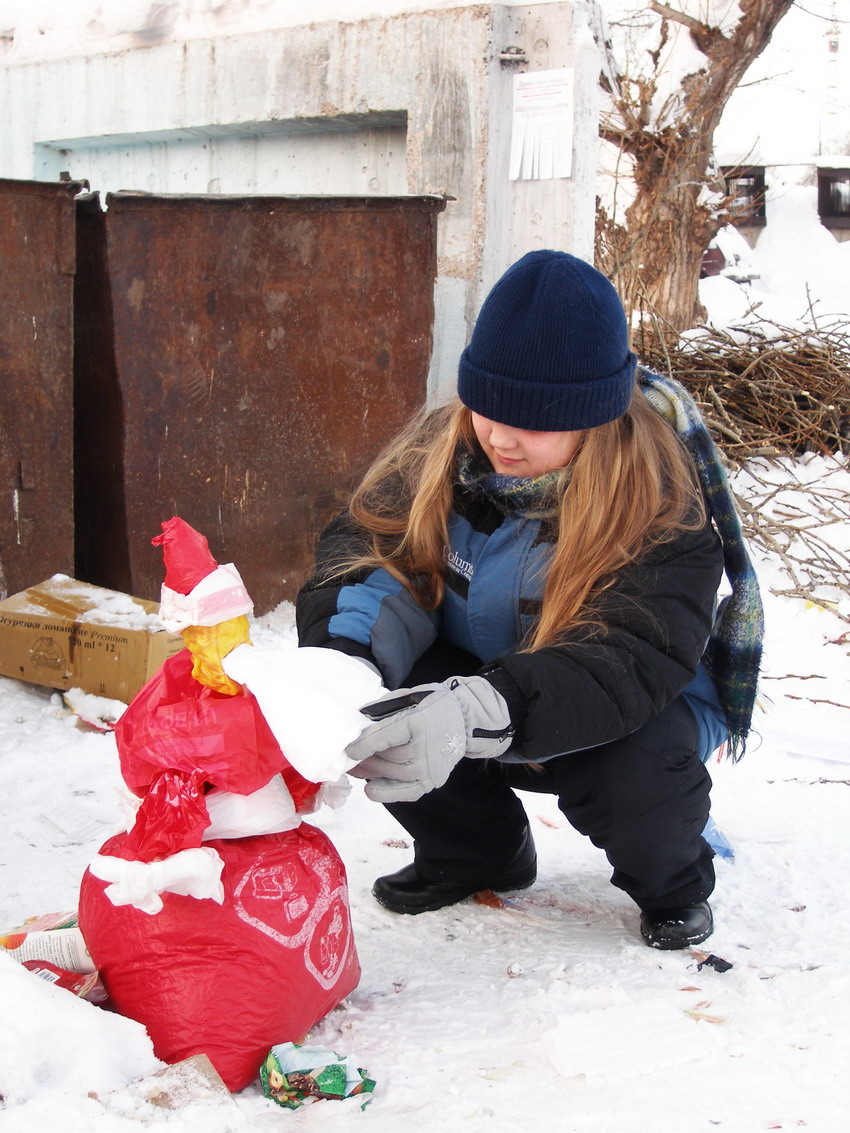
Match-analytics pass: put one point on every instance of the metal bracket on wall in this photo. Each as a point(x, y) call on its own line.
point(512, 56)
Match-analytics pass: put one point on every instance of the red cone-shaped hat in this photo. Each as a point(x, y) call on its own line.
point(186, 554)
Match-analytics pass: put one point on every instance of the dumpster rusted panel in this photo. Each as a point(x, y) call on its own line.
point(36, 379)
point(266, 349)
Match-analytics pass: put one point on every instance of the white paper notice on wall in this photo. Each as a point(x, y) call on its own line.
point(542, 128)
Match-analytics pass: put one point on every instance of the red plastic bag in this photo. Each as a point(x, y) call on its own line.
point(177, 724)
point(176, 737)
point(231, 980)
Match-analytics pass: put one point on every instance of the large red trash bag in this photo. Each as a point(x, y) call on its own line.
point(231, 980)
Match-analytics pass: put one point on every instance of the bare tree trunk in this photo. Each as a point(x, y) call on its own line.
point(654, 257)
point(658, 259)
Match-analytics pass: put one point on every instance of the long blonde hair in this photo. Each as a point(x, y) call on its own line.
point(630, 486)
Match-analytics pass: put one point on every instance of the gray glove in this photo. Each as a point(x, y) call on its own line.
point(419, 735)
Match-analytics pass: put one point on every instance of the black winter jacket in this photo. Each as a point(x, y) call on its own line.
point(593, 687)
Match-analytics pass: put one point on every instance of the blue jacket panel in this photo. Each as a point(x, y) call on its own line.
point(704, 702)
point(494, 582)
point(382, 615)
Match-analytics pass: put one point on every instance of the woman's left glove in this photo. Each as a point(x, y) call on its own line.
point(419, 734)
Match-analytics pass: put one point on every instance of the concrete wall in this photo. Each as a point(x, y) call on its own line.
point(417, 102)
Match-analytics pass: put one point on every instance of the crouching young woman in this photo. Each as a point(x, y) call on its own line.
point(534, 571)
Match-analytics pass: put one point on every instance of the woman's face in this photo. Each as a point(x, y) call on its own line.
point(524, 452)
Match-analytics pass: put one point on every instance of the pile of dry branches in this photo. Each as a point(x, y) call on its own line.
point(765, 400)
point(787, 394)
point(803, 525)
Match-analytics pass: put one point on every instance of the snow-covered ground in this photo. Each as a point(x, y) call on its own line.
point(549, 1011)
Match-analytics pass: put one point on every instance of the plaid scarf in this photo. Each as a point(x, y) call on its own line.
point(531, 497)
point(733, 653)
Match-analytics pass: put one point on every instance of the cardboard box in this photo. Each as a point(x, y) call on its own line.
point(68, 634)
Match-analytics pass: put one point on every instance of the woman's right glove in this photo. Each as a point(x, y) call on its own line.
point(419, 734)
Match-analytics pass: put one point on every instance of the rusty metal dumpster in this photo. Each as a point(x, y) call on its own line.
point(37, 255)
point(264, 350)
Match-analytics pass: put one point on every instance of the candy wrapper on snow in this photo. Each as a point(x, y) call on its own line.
point(85, 985)
point(293, 1075)
point(222, 945)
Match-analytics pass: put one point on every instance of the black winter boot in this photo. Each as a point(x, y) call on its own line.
point(408, 892)
point(676, 928)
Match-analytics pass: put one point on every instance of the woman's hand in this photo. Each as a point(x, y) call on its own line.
point(419, 734)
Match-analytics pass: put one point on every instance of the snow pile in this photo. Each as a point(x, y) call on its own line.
point(53, 1044)
point(801, 273)
point(801, 262)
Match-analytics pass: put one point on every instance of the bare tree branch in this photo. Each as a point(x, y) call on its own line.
point(654, 252)
point(703, 35)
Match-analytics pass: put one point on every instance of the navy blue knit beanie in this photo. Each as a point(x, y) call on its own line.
point(550, 348)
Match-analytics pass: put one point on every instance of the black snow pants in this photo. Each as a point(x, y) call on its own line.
point(643, 799)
